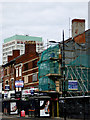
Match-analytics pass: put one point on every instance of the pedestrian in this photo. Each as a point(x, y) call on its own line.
point(5, 107)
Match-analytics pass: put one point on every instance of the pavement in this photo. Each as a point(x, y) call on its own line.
point(17, 117)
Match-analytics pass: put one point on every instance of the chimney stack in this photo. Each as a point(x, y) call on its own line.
point(30, 47)
point(15, 54)
point(78, 27)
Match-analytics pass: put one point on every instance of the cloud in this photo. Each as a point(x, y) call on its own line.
point(45, 19)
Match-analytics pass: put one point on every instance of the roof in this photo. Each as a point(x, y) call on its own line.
point(23, 37)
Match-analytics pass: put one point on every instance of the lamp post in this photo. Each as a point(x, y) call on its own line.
point(64, 76)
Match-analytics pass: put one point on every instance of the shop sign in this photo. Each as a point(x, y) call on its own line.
point(26, 92)
point(7, 87)
point(72, 85)
point(19, 84)
point(29, 91)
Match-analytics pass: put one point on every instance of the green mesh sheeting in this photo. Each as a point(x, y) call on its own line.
point(82, 60)
point(51, 52)
point(79, 70)
point(47, 67)
point(46, 83)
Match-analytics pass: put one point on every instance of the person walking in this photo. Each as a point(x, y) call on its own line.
point(5, 107)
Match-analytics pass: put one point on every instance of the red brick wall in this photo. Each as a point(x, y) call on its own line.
point(16, 53)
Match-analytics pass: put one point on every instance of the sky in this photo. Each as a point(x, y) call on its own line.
point(44, 19)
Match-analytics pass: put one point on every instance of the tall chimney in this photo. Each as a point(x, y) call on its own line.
point(78, 27)
point(30, 47)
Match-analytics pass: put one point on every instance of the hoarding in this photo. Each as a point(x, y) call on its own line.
point(19, 84)
point(13, 108)
point(44, 108)
point(72, 85)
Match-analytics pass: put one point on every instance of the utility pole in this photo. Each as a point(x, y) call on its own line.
point(64, 76)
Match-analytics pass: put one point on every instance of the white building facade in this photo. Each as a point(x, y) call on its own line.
point(17, 42)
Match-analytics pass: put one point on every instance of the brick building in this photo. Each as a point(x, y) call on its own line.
point(21, 68)
point(26, 67)
point(9, 72)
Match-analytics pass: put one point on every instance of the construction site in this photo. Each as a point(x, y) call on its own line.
point(71, 56)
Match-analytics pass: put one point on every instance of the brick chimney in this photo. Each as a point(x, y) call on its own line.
point(30, 47)
point(78, 27)
point(16, 53)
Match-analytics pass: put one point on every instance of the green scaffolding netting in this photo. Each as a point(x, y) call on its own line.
point(51, 52)
point(79, 70)
point(46, 83)
point(82, 60)
point(82, 75)
point(48, 67)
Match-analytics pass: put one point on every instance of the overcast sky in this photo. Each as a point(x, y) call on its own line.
point(44, 19)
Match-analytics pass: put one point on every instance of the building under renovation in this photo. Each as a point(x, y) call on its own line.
point(77, 65)
point(74, 88)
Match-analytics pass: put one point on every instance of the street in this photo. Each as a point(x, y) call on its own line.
point(14, 117)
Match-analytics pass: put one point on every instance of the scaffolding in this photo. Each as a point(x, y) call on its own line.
point(77, 67)
point(49, 68)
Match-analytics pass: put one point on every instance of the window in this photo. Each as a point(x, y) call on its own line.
point(34, 63)
point(34, 77)
point(26, 66)
point(12, 83)
point(16, 72)
point(20, 71)
point(11, 69)
point(26, 79)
